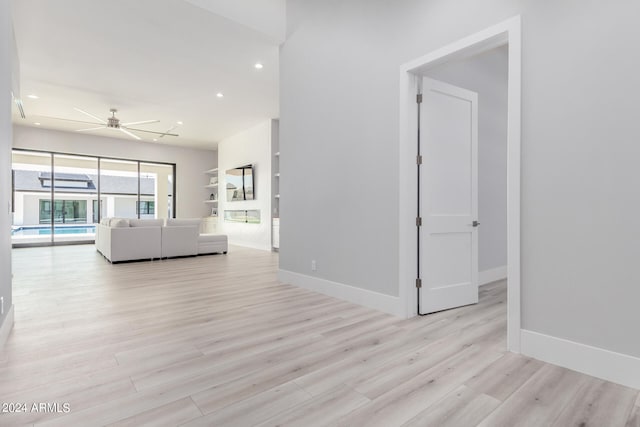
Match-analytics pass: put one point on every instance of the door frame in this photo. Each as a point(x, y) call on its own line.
point(505, 33)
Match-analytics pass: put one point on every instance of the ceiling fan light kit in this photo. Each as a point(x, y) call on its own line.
point(113, 121)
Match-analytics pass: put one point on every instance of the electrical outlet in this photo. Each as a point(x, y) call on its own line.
point(313, 265)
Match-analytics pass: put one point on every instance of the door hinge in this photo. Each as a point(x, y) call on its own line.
point(418, 159)
point(419, 98)
point(418, 221)
point(418, 283)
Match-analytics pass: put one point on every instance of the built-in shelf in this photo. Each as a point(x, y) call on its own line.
point(212, 186)
point(275, 185)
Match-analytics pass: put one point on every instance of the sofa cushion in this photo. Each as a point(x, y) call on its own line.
point(120, 223)
point(183, 221)
point(113, 221)
point(105, 221)
point(179, 240)
point(212, 243)
point(132, 243)
point(146, 222)
point(206, 238)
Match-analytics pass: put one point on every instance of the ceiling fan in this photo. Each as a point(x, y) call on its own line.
point(114, 123)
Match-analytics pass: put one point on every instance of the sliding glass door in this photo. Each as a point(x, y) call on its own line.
point(32, 198)
point(58, 198)
point(119, 188)
point(156, 191)
point(75, 188)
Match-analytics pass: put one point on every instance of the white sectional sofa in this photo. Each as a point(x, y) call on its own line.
point(180, 237)
point(120, 239)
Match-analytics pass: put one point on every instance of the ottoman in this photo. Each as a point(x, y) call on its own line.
point(212, 243)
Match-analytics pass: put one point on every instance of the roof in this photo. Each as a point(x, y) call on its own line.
point(65, 176)
point(34, 181)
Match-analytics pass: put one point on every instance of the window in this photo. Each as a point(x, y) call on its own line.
point(66, 180)
point(64, 211)
point(147, 208)
point(45, 211)
point(96, 218)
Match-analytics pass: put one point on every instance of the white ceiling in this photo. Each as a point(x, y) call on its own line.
point(150, 59)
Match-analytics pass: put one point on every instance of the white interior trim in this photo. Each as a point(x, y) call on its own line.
point(6, 327)
point(607, 365)
point(386, 303)
point(250, 245)
point(492, 275)
point(507, 32)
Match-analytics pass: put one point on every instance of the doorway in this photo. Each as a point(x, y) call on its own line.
point(504, 34)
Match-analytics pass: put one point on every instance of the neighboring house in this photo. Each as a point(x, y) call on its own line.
point(76, 197)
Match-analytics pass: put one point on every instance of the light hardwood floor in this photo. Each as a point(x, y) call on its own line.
point(217, 341)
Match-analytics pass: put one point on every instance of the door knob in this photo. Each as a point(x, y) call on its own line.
point(475, 223)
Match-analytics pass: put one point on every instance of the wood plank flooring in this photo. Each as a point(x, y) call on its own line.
point(217, 341)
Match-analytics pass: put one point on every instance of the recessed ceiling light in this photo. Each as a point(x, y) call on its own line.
point(155, 139)
point(258, 66)
point(32, 96)
point(37, 123)
point(220, 95)
point(179, 123)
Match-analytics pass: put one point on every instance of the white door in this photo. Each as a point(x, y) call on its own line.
point(448, 196)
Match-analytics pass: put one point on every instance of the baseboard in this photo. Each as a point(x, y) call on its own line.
point(597, 362)
point(492, 275)
point(250, 245)
point(6, 327)
point(386, 303)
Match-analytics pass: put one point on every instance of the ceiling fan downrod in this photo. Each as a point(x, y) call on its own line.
point(113, 121)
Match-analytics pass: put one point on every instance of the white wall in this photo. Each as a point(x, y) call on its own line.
point(6, 34)
point(110, 206)
point(190, 162)
point(253, 146)
point(125, 207)
point(263, 16)
point(30, 212)
point(18, 216)
point(486, 74)
point(275, 167)
point(339, 138)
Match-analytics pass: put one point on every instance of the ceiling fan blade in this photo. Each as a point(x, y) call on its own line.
point(140, 123)
point(167, 132)
point(91, 115)
point(130, 134)
point(85, 130)
point(150, 131)
point(69, 120)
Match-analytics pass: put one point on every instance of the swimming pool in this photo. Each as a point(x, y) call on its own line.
point(46, 230)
